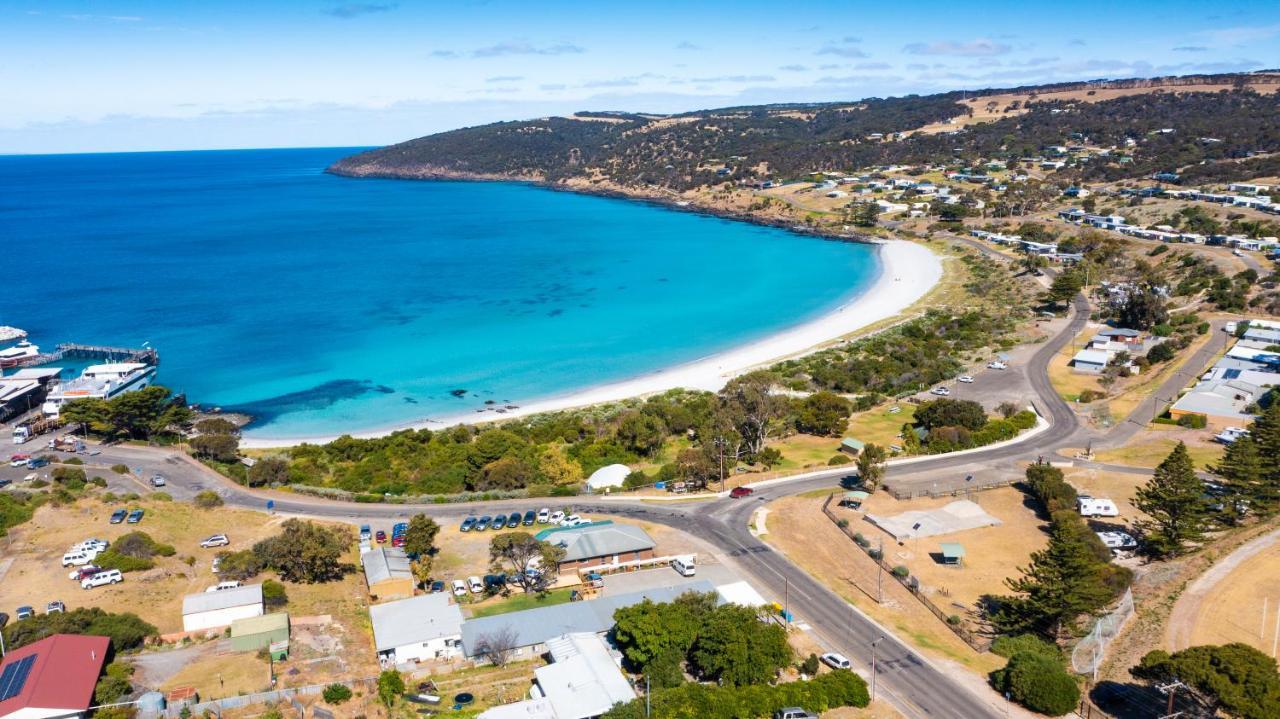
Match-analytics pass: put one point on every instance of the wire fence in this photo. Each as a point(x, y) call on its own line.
point(1088, 654)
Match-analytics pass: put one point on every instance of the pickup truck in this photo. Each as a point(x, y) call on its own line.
point(793, 713)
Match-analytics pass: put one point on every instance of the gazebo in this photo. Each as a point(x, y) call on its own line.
point(854, 499)
point(953, 553)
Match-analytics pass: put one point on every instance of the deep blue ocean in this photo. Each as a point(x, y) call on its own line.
point(323, 304)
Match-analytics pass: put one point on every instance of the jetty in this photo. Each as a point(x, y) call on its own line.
point(72, 350)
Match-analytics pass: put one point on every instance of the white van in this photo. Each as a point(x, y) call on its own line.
point(78, 558)
point(223, 585)
point(476, 585)
point(1096, 507)
point(111, 576)
point(684, 565)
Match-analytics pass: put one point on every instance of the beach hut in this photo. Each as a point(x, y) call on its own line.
point(852, 446)
point(607, 477)
point(953, 553)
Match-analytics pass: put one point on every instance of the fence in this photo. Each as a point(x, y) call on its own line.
point(978, 643)
point(217, 706)
point(1090, 651)
point(947, 488)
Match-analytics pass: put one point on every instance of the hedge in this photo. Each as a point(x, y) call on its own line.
point(834, 689)
point(1038, 682)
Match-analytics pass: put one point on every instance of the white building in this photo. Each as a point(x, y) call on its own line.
point(214, 610)
point(610, 476)
point(423, 628)
point(100, 381)
point(584, 680)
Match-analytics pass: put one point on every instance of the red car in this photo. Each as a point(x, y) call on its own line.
point(397, 541)
point(381, 536)
point(737, 492)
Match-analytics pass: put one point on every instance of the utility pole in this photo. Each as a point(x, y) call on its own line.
point(880, 575)
point(873, 666)
point(786, 600)
point(646, 695)
point(1171, 690)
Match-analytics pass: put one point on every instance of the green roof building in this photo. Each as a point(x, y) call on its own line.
point(254, 633)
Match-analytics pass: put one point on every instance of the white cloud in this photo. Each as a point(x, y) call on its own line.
point(977, 48)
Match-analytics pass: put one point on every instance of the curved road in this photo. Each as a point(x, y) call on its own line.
point(913, 684)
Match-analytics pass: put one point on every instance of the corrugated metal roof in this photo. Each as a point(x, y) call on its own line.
point(584, 680)
point(602, 541)
point(1097, 357)
point(225, 599)
point(414, 621)
point(260, 625)
point(385, 563)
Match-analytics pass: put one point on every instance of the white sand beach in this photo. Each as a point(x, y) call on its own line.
point(908, 271)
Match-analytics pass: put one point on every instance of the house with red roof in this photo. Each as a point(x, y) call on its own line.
point(53, 677)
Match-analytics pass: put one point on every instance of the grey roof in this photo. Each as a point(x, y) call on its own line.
point(536, 626)
point(601, 541)
point(1263, 335)
point(1097, 357)
point(1212, 404)
point(224, 599)
point(385, 563)
point(1118, 332)
point(414, 621)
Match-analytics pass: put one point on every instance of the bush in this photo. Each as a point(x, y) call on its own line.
point(1091, 395)
point(336, 694)
point(875, 553)
point(273, 593)
point(901, 571)
point(69, 475)
point(1026, 419)
point(160, 497)
point(208, 499)
point(98, 482)
point(831, 690)
point(860, 540)
point(810, 665)
point(126, 631)
point(1193, 421)
point(838, 460)
point(1006, 646)
point(111, 559)
point(120, 468)
point(1038, 683)
point(842, 523)
point(73, 460)
point(1162, 352)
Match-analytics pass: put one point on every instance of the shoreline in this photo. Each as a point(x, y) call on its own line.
point(907, 272)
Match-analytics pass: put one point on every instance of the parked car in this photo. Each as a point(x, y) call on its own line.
point(217, 540)
point(157, 480)
point(941, 391)
point(135, 516)
point(836, 661)
point(118, 516)
point(19, 460)
point(965, 379)
point(997, 364)
point(467, 524)
point(475, 584)
point(793, 713)
point(459, 588)
point(482, 523)
point(25, 612)
point(399, 528)
point(437, 586)
point(55, 607)
point(555, 517)
point(499, 522)
point(216, 564)
point(530, 517)
point(37, 463)
point(737, 492)
point(223, 586)
point(110, 576)
point(78, 558)
point(381, 537)
point(398, 540)
point(87, 570)
point(513, 520)
point(574, 520)
point(544, 515)
point(365, 533)
point(90, 545)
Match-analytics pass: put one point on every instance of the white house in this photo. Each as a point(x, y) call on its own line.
point(423, 628)
point(214, 610)
point(584, 680)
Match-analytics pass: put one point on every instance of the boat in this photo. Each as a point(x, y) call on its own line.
point(100, 381)
point(8, 334)
point(12, 356)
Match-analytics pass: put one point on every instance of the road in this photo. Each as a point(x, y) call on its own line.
point(911, 682)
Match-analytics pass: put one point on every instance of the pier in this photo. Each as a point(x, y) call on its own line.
point(144, 355)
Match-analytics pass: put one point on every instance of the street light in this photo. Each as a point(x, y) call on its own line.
point(873, 666)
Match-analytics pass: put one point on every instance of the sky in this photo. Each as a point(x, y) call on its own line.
point(129, 75)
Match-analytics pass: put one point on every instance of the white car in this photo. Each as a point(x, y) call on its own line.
point(836, 661)
point(18, 462)
point(476, 585)
point(459, 588)
point(1118, 541)
point(997, 364)
point(965, 379)
point(217, 540)
point(217, 563)
point(572, 520)
point(556, 517)
point(78, 559)
point(220, 586)
point(941, 391)
point(90, 545)
point(544, 515)
point(111, 576)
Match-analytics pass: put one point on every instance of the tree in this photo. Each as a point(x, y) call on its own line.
point(871, 465)
point(304, 552)
point(420, 537)
point(274, 595)
point(498, 645)
point(1063, 582)
point(656, 638)
point(141, 414)
point(218, 447)
point(1265, 432)
point(216, 425)
point(1065, 286)
point(864, 214)
point(1173, 500)
point(1234, 679)
point(1037, 682)
point(640, 432)
point(336, 694)
point(1245, 476)
point(521, 555)
point(126, 630)
point(506, 473)
point(269, 471)
point(390, 687)
point(752, 408)
point(734, 649)
point(557, 469)
point(1162, 352)
point(824, 414)
point(239, 566)
point(951, 413)
point(1143, 307)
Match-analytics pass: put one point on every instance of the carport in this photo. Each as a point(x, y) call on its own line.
point(953, 553)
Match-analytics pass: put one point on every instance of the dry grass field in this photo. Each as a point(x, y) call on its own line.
point(1233, 612)
point(1150, 446)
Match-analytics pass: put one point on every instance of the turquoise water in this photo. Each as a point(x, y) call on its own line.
point(324, 305)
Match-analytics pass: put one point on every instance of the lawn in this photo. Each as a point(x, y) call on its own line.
point(1151, 452)
point(520, 601)
point(879, 426)
point(1069, 383)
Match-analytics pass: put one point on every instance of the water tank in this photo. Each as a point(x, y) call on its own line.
point(151, 703)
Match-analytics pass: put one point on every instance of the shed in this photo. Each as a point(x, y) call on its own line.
point(254, 633)
point(852, 446)
point(952, 553)
point(1090, 361)
point(610, 476)
point(387, 573)
point(213, 610)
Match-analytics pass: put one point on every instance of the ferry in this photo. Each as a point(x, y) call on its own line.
point(12, 356)
point(8, 334)
point(101, 381)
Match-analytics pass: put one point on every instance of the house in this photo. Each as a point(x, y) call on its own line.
point(611, 476)
point(387, 573)
point(533, 628)
point(1262, 334)
point(1249, 188)
point(424, 628)
point(255, 633)
point(598, 544)
point(583, 680)
point(1090, 361)
point(1079, 192)
point(1118, 339)
point(215, 610)
point(1221, 403)
point(53, 677)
